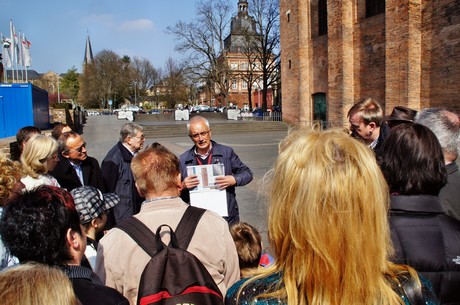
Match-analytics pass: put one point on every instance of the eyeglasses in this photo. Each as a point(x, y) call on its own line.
point(142, 137)
point(201, 134)
point(79, 149)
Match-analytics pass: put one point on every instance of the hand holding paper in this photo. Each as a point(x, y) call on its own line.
point(191, 182)
point(223, 182)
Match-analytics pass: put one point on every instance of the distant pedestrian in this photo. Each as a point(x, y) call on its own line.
point(23, 136)
point(206, 151)
point(118, 177)
point(59, 129)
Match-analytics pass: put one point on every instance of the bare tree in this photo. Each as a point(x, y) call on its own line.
point(266, 14)
point(203, 41)
point(144, 76)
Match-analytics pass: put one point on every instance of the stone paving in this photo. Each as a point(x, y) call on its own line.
point(257, 149)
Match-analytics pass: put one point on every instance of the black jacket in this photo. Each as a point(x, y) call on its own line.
point(67, 177)
point(89, 289)
point(118, 178)
point(450, 193)
point(428, 240)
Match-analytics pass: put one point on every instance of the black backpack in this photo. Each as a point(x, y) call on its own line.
point(173, 275)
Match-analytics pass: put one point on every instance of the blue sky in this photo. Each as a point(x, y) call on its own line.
point(57, 29)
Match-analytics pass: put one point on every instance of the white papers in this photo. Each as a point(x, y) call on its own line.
point(206, 195)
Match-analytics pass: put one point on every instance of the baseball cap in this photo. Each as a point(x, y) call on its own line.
point(90, 202)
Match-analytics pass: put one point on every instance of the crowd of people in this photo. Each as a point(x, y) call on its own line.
point(369, 215)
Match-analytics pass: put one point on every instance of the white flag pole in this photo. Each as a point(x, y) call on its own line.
point(25, 54)
point(12, 48)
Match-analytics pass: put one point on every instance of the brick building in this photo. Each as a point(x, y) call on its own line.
point(244, 67)
point(334, 53)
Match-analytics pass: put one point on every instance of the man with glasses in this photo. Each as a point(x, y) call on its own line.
point(206, 151)
point(76, 168)
point(118, 177)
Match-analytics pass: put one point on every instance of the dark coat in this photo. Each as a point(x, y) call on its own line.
point(450, 193)
point(383, 135)
point(118, 178)
point(89, 289)
point(428, 240)
point(67, 177)
point(232, 166)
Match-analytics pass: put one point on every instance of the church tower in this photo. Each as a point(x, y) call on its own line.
point(241, 26)
point(88, 52)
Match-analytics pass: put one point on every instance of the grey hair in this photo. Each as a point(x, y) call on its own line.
point(447, 132)
point(195, 119)
point(129, 130)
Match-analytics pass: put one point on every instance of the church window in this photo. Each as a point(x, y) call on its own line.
point(322, 17)
point(374, 7)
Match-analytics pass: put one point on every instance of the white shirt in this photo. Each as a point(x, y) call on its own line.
point(45, 179)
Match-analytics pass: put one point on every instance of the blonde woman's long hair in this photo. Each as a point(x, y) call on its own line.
point(327, 223)
point(36, 153)
point(36, 284)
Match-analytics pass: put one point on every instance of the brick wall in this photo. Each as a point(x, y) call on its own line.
point(410, 55)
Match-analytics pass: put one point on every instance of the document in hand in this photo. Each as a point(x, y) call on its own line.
point(206, 195)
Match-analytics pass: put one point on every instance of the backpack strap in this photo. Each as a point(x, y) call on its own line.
point(141, 234)
point(187, 225)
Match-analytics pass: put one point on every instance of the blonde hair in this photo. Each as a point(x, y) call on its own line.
point(328, 223)
point(36, 284)
point(36, 153)
point(10, 174)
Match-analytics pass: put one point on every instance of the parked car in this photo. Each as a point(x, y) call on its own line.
point(201, 108)
point(257, 112)
point(154, 111)
point(244, 113)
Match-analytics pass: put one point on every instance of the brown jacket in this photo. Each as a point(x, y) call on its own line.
point(120, 261)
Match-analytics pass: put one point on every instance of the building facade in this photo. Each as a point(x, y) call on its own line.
point(244, 68)
point(333, 53)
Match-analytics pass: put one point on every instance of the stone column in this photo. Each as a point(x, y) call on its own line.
point(403, 54)
point(340, 59)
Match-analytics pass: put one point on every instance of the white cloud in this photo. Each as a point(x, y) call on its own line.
point(137, 25)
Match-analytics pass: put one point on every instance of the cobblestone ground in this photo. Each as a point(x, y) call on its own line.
point(258, 150)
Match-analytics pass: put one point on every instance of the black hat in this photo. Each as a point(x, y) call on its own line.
point(402, 114)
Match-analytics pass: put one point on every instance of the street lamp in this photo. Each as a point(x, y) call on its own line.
point(135, 93)
point(59, 95)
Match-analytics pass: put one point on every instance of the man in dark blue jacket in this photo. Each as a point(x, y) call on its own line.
point(206, 151)
point(118, 178)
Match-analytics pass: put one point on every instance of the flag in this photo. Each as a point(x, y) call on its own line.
point(26, 51)
point(6, 51)
point(13, 49)
point(19, 56)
